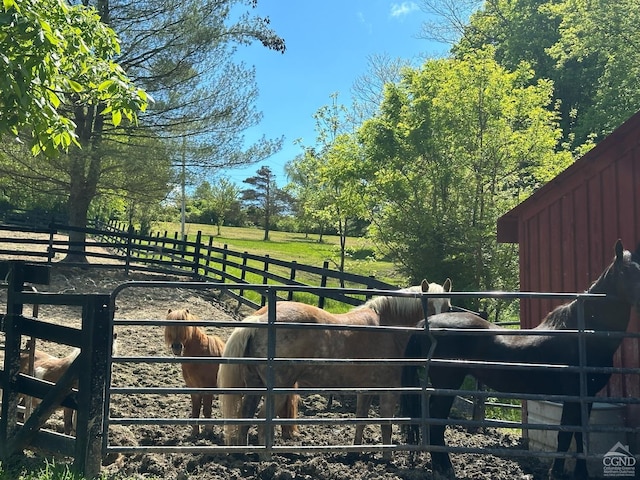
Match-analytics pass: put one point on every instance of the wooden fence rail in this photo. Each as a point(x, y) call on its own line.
point(199, 259)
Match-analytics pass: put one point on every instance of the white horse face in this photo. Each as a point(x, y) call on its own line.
point(439, 305)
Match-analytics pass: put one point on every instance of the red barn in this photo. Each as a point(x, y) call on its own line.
point(567, 229)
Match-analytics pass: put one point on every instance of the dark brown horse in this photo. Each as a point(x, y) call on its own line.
point(620, 282)
point(328, 344)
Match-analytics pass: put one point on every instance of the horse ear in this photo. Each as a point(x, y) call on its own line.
point(424, 285)
point(447, 285)
point(619, 250)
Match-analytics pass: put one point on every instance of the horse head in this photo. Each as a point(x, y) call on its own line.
point(176, 335)
point(626, 272)
point(439, 304)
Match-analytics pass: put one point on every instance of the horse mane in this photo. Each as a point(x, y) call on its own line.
point(566, 316)
point(392, 306)
point(559, 318)
point(171, 332)
point(180, 314)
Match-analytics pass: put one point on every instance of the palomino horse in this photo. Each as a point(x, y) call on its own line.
point(50, 368)
point(620, 281)
point(327, 343)
point(192, 341)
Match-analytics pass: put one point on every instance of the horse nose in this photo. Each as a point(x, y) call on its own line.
point(176, 348)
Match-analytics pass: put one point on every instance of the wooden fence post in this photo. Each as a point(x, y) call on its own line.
point(323, 283)
point(292, 277)
point(9, 418)
point(197, 255)
point(208, 262)
point(263, 300)
point(243, 272)
point(224, 260)
point(127, 259)
point(17, 272)
point(50, 252)
point(97, 330)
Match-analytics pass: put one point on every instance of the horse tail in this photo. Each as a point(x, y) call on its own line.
point(410, 403)
point(232, 375)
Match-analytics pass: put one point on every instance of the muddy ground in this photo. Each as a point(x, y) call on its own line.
point(153, 303)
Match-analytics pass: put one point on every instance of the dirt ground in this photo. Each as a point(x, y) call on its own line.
point(153, 303)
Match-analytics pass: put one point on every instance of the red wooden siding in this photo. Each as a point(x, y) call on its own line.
point(567, 230)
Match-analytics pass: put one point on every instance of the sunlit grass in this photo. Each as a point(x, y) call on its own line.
point(361, 259)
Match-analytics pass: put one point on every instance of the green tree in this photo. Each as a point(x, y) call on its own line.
point(458, 142)
point(340, 178)
point(217, 200)
point(525, 31)
point(309, 201)
point(602, 37)
point(57, 57)
point(329, 187)
point(182, 53)
point(265, 196)
point(589, 49)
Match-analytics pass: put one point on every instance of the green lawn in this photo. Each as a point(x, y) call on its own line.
point(361, 257)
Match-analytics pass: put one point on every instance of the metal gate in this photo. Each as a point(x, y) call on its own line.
point(272, 446)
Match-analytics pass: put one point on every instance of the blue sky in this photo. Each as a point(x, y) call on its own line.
point(328, 42)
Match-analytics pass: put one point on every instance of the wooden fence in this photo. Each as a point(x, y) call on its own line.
point(199, 260)
point(88, 371)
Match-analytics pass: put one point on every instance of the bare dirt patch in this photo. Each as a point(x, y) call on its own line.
point(153, 303)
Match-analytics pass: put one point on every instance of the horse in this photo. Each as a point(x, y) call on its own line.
point(51, 368)
point(327, 343)
point(192, 341)
point(620, 281)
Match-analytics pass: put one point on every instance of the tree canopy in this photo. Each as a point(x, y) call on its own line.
point(54, 57)
point(589, 49)
point(181, 53)
point(458, 143)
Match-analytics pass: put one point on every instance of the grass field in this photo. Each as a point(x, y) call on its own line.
point(362, 258)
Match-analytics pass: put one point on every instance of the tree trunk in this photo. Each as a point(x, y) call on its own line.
point(78, 212)
point(84, 175)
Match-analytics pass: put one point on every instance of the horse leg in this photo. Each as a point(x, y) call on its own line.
point(196, 403)
point(290, 410)
point(249, 407)
point(363, 403)
point(580, 471)
point(571, 416)
point(279, 402)
point(68, 420)
point(388, 403)
point(439, 407)
point(207, 402)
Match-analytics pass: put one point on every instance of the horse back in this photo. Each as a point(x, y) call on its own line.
point(296, 312)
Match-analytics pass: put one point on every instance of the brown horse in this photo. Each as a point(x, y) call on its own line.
point(192, 341)
point(327, 343)
point(50, 368)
